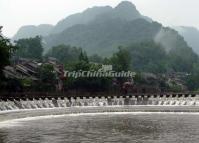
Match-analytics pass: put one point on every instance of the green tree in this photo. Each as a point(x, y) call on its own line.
point(82, 63)
point(47, 78)
point(96, 58)
point(30, 48)
point(121, 60)
point(83, 57)
point(88, 84)
point(182, 59)
point(192, 80)
point(148, 57)
point(6, 50)
point(64, 53)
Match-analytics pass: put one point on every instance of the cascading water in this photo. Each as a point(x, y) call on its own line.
point(98, 102)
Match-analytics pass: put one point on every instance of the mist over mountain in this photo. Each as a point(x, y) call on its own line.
point(32, 31)
point(105, 30)
point(100, 30)
point(191, 36)
point(119, 36)
point(170, 39)
point(125, 10)
point(80, 18)
point(104, 37)
point(122, 26)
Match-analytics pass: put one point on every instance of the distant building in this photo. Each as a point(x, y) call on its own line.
point(22, 69)
point(27, 68)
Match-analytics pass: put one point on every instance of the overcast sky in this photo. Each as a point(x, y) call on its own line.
point(16, 13)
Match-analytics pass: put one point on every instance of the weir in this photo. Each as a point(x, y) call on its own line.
point(115, 101)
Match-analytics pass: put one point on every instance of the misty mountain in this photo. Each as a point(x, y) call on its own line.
point(104, 37)
point(32, 31)
point(100, 30)
point(80, 18)
point(44, 30)
point(122, 26)
point(104, 29)
point(125, 10)
point(191, 36)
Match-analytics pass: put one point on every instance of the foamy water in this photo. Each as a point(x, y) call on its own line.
point(19, 122)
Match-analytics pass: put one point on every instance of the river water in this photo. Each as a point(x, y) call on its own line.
point(121, 127)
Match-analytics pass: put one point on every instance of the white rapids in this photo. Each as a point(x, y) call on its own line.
point(98, 102)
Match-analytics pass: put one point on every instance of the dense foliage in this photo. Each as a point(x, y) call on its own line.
point(47, 80)
point(191, 36)
point(192, 80)
point(91, 84)
point(6, 49)
point(30, 48)
point(121, 60)
point(152, 57)
point(147, 57)
point(65, 54)
point(103, 37)
point(96, 58)
point(182, 59)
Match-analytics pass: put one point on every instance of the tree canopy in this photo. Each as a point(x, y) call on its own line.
point(6, 49)
point(30, 48)
point(151, 57)
point(121, 60)
point(64, 53)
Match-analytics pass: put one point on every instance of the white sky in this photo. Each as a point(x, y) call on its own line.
point(16, 13)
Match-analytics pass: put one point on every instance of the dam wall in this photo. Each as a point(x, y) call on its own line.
point(179, 101)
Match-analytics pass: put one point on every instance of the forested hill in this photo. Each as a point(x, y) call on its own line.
point(144, 45)
point(32, 31)
point(104, 37)
point(100, 30)
point(121, 26)
point(124, 10)
point(191, 36)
